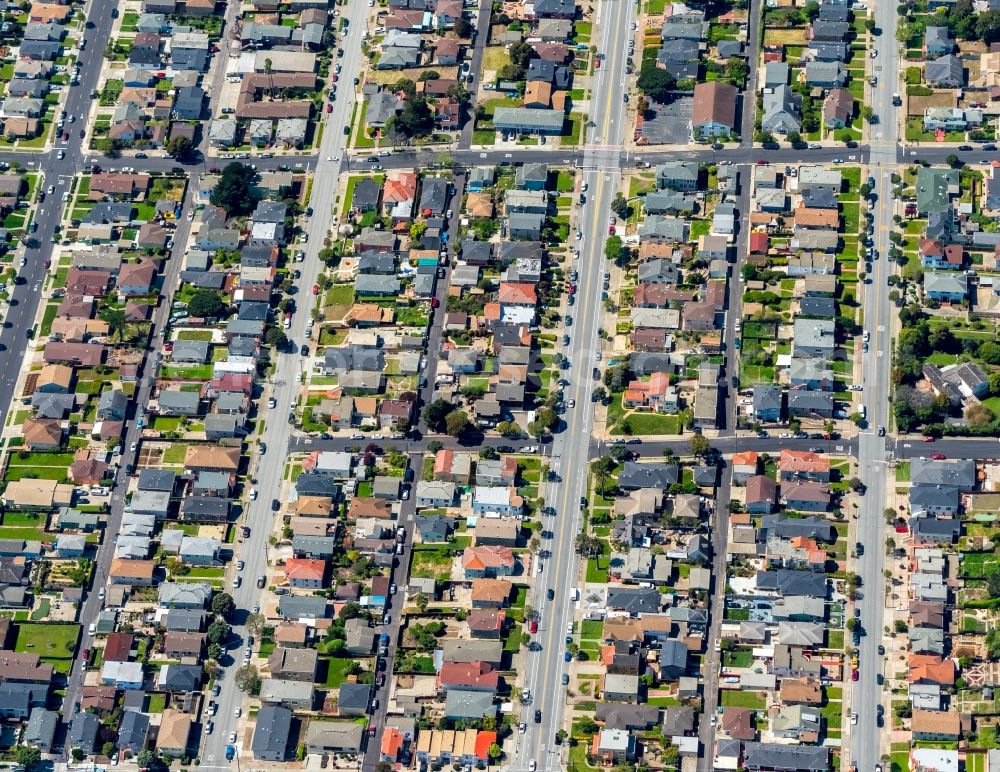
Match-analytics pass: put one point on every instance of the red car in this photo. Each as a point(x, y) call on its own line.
point(329, 108)
point(928, 438)
point(938, 456)
point(597, 64)
point(371, 730)
point(214, 170)
point(761, 162)
point(533, 626)
point(315, 289)
point(854, 675)
point(572, 289)
point(435, 302)
point(611, 230)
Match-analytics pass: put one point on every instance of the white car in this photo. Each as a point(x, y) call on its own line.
point(232, 737)
point(253, 494)
point(538, 567)
point(854, 718)
point(22, 262)
point(569, 628)
point(240, 565)
point(237, 711)
point(392, 588)
point(522, 727)
point(100, 593)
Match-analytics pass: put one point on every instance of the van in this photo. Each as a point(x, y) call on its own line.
point(574, 594)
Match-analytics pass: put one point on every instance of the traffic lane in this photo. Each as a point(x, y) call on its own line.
point(915, 447)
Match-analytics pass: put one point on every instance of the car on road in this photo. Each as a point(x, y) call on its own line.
point(938, 456)
point(881, 650)
point(550, 594)
point(261, 581)
point(237, 711)
point(538, 716)
point(240, 565)
point(854, 718)
point(275, 505)
point(928, 438)
point(855, 675)
point(232, 737)
point(522, 727)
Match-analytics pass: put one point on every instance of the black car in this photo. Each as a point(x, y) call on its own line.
point(275, 505)
point(879, 679)
point(879, 721)
point(597, 373)
point(304, 350)
point(263, 448)
point(583, 502)
point(989, 148)
point(965, 147)
point(881, 650)
point(538, 716)
point(550, 594)
point(859, 548)
point(880, 710)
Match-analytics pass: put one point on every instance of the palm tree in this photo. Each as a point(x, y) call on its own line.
point(115, 319)
point(267, 72)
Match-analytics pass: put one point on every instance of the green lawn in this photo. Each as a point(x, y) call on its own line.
point(51, 641)
point(737, 699)
point(597, 569)
point(338, 299)
point(157, 702)
point(591, 629)
point(335, 672)
point(652, 423)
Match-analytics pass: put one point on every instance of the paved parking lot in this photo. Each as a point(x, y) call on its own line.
point(668, 124)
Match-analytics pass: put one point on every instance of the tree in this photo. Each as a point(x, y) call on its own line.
point(116, 320)
point(993, 584)
point(420, 601)
point(415, 120)
point(234, 191)
point(28, 757)
point(205, 303)
point(145, 759)
point(588, 546)
point(218, 631)
point(793, 137)
point(700, 445)
point(655, 83)
point(222, 604)
point(107, 749)
point(275, 337)
point(247, 679)
point(180, 148)
point(456, 422)
point(488, 453)
point(494, 752)
point(463, 28)
point(619, 205)
point(255, 623)
point(953, 160)
point(614, 248)
point(436, 413)
point(214, 651)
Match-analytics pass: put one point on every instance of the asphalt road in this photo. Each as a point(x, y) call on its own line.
point(269, 467)
point(569, 450)
point(872, 459)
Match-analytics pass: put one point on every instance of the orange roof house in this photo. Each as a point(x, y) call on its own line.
point(488, 561)
point(475, 676)
point(930, 669)
point(825, 219)
point(654, 394)
point(490, 593)
point(399, 186)
point(303, 572)
point(517, 294)
point(483, 742)
point(803, 464)
point(392, 743)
